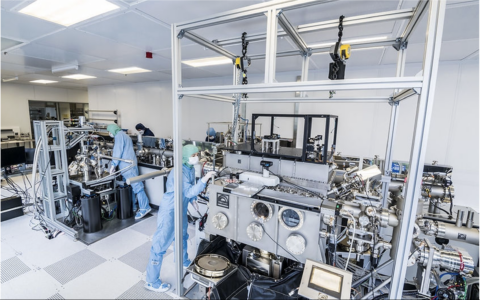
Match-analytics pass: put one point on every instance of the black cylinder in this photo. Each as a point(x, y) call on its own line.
point(124, 203)
point(91, 212)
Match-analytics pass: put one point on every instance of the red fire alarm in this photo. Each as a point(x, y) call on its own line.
point(149, 55)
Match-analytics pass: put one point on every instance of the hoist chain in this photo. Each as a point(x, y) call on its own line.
point(244, 55)
point(336, 66)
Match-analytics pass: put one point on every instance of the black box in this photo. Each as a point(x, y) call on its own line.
point(73, 193)
point(11, 207)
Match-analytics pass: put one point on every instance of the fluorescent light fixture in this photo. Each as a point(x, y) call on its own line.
point(78, 76)
point(43, 81)
point(211, 61)
point(129, 70)
point(10, 79)
point(67, 12)
point(365, 40)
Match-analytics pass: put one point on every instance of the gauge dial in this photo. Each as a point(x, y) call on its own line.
point(261, 211)
point(296, 244)
point(220, 221)
point(291, 219)
point(255, 231)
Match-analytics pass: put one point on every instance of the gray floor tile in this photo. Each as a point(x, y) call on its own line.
point(139, 292)
point(13, 267)
point(73, 266)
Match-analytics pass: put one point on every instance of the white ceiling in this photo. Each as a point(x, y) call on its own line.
point(121, 38)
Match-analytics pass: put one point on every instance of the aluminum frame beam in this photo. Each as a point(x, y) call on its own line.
point(421, 7)
point(248, 13)
point(322, 85)
point(393, 15)
point(177, 156)
point(405, 94)
point(214, 98)
point(318, 100)
point(292, 32)
point(206, 43)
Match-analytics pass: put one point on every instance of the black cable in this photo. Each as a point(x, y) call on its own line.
point(451, 203)
point(449, 215)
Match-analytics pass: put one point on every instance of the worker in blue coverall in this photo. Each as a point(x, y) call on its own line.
point(144, 131)
point(164, 236)
point(123, 148)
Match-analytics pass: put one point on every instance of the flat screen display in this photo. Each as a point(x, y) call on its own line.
point(13, 156)
point(326, 282)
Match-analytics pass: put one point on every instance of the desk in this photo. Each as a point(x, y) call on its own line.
point(18, 143)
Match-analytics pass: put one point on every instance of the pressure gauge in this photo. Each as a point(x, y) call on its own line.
point(255, 231)
point(220, 221)
point(261, 211)
point(296, 244)
point(291, 219)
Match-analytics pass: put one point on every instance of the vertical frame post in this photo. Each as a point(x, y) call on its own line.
point(271, 50)
point(177, 157)
point(408, 208)
point(392, 129)
point(327, 132)
point(296, 107)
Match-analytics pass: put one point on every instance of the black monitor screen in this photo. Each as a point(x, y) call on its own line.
point(29, 154)
point(13, 156)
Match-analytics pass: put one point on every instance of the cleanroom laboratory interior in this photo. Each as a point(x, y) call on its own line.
point(202, 149)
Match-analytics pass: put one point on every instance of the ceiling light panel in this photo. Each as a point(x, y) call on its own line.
point(129, 70)
point(78, 76)
point(119, 28)
point(43, 81)
point(68, 12)
point(211, 61)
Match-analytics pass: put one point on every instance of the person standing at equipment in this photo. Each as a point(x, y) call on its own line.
point(211, 135)
point(164, 236)
point(144, 131)
point(123, 148)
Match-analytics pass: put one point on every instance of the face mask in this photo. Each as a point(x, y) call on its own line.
point(193, 160)
point(141, 131)
point(110, 134)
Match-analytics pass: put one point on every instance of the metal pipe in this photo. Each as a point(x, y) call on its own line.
point(459, 221)
point(375, 271)
point(470, 219)
point(377, 288)
point(148, 176)
point(167, 153)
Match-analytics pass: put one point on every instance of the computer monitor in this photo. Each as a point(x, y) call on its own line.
point(29, 155)
point(13, 156)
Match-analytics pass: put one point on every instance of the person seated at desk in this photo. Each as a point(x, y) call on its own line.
point(144, 131)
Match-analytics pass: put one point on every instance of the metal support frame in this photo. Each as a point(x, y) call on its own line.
point(404, 231)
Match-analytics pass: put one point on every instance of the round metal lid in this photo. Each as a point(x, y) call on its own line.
point(212, 265)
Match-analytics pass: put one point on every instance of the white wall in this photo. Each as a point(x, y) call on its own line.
point(151, 104)
point(363, 128)
point(15, 99)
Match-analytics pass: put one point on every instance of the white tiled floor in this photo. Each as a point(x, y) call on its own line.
point(118, 260)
